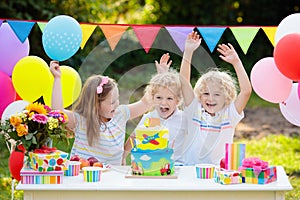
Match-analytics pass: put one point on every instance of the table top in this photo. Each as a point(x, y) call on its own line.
point(114, 179)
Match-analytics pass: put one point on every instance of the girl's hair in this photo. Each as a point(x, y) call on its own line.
point(88, 104)
point(226, 81)
point(168, 80)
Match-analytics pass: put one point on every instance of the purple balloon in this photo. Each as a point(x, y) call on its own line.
point(7, 92)
point(11, 49)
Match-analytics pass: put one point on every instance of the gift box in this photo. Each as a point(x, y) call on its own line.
point(234, 155)
point(56, 161)
point(30, 176)
point(264, 176)
point(227, 177)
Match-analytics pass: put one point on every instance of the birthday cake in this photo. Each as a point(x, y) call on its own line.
point(150, 155)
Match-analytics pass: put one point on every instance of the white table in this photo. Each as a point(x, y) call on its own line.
point(114, 185)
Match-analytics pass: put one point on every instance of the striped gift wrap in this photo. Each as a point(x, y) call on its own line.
point(30, 176)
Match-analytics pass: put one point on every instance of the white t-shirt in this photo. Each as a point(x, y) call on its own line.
point(110, 146)
point(177, 126)
point(208, 134)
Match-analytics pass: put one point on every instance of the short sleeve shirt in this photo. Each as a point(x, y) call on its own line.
point(208, 134)
point(110, 145)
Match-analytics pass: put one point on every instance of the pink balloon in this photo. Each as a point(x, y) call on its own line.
point(290, 108)
point(7, 92)
point(11, 49)
point(268, 82)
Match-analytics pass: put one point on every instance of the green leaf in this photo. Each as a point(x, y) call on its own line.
point(28, 136)
point(33, 140)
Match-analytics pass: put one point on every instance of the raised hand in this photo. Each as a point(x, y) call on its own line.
point(164, 63)
point(55, 69)
point(228, 53)
point(192, 42)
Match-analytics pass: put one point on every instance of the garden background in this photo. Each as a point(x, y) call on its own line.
point(265, 131)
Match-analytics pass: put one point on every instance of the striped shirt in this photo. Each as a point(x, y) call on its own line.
point(110, 145)
point(208, 134)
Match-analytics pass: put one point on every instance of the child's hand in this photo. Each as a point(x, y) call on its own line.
point(228, 53)
point(55, 69)
point(164, 63)
point(192, 42)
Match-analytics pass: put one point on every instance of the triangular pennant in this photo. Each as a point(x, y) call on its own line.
point(21, 28)
point(1, 21)
point(87, 31)
point(244, 36)
point(211, 35)
point(179, 35)
point(146, 35)
point(42, 25)
point(113, 34)
point(270, 32)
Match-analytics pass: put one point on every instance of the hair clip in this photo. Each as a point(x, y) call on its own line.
point(104, 81)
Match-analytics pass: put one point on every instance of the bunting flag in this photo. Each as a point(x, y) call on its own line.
point(179, 35)
point(42, 25)
point(87, 31)
point(113, 34)
point(21, 28)
point(244, 36)
point(146, 35)
point(211, 35)
point(270, 33)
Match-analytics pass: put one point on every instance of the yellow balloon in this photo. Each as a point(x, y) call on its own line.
point(71, 87)
point(31, 77)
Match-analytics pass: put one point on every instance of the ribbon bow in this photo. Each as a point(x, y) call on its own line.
point(103, 82)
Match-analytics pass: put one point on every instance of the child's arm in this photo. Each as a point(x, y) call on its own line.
point(192, 42)
point(164, 63)
point(57, 100)
point(128, 147)
point(229, 55)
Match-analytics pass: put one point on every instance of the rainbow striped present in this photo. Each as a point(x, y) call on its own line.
point(30, 176)
point(265, 176)
point(234, 155)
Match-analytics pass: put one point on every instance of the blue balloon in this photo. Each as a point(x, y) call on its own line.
point(62, 37)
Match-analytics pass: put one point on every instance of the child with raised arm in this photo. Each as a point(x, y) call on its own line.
point(98, 121)
point(214, 108)
point(164, 89)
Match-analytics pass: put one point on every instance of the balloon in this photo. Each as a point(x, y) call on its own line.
point(62, 37)
point(71, 86)
point(286, 56)
point(31, 77)
point(13, 108)
point(298, 90)
point(290, 108)
point(268, 82)
point(15, 163)
point(288, 25)
point(11, 49)
point(7, 91)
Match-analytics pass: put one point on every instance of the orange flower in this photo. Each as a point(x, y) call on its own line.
point(15, 120)
point(22, 129)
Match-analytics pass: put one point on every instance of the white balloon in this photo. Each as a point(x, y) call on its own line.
point(14, 108)
point(288, 25)
point(290, 108)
